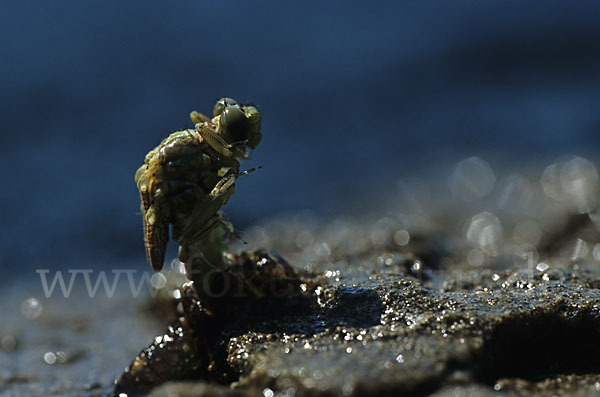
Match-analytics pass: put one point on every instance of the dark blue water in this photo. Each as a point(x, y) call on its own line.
point(354, 97)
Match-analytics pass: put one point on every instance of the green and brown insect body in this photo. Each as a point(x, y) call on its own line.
point(186, 180)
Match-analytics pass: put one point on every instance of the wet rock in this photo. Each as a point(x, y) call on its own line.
point(460, 300)
point(528, 329)
point(251, 294)
point(383, 331)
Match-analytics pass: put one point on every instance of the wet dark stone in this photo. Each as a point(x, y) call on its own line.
point(367, 321)
point(172, 356)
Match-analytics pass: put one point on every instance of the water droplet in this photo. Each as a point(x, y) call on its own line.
point(50, 358)
point(416, 266)
point(542, 267)
point(31, 308)
point(268, 392)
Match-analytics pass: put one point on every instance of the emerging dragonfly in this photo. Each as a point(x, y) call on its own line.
point(188, 177)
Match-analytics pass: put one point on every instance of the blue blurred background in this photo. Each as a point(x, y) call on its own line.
point(353, 97)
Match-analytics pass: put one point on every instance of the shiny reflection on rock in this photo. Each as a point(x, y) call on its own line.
point(49, 358)
point(542, 267)
point(268, 392)
point(59, 357)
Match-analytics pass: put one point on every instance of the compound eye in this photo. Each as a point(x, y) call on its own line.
point(222, 104)
point(235, 124)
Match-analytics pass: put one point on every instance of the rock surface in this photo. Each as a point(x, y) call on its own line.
point(391, 319)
